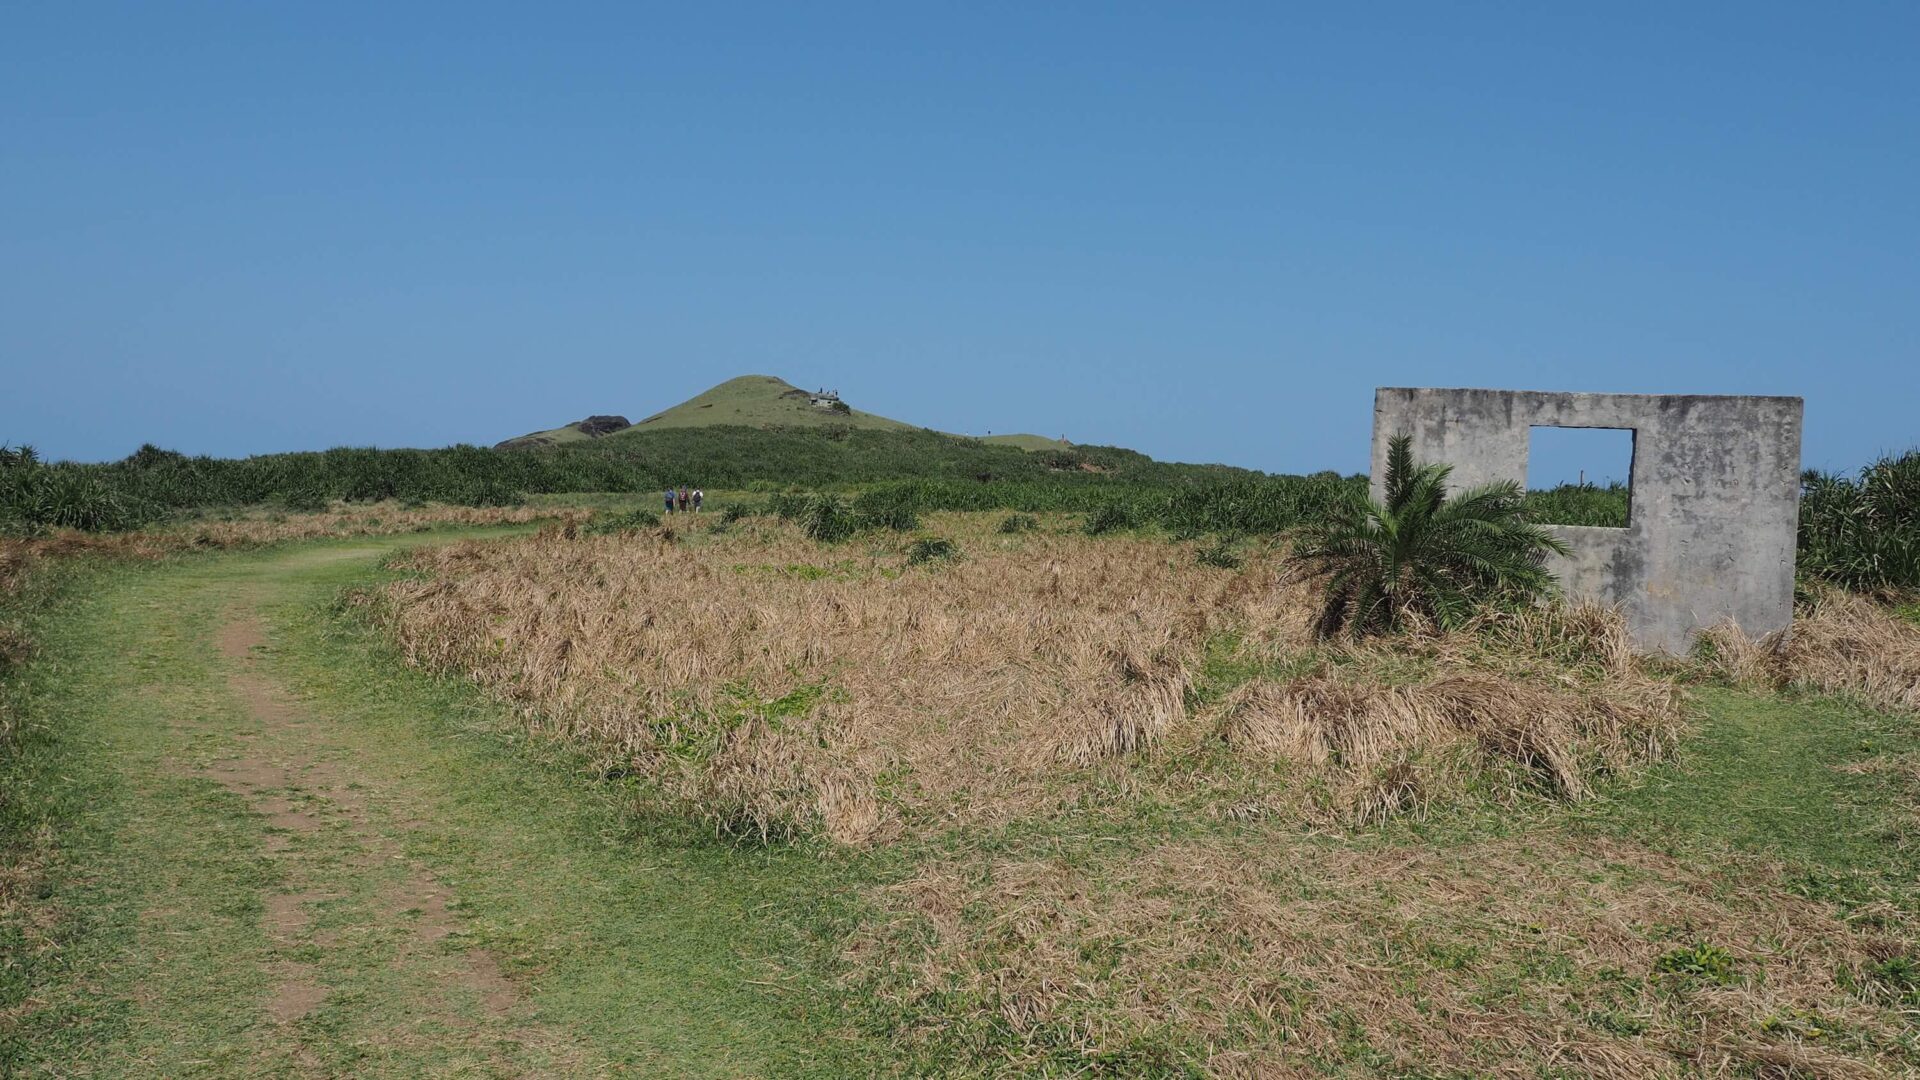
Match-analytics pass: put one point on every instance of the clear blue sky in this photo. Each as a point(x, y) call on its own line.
point(1203, 231)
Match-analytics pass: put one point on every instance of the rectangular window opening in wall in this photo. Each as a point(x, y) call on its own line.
point(1580, 476)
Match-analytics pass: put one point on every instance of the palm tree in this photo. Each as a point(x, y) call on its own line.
point(1424, 555)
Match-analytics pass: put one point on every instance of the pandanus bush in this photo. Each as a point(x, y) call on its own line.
point(1864, 533)
point(34, 497)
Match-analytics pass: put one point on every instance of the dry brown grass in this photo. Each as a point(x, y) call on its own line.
point(1276, 958)
point(1393, 748)
point(1841, 643)
point(1848, 644)
point(999, 685)
point(968, 683)
point(1554, 693)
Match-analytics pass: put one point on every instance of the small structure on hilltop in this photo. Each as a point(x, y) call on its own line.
point(824, 399)
point(1714, 496)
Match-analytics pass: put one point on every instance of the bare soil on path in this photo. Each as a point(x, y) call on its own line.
point(296, 791)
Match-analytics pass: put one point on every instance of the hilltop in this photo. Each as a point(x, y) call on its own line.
point(757, 401)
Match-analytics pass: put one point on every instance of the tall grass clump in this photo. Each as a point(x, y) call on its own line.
point(930, 548)
point(1113, 517)
point(828, 519)
point(1841, 643)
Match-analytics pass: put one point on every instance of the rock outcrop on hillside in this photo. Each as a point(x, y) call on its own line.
point(602, 425)
point(593, 427)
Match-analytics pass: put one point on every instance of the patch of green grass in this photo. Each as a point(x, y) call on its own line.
point(1774, 776)
point(1701, 960)
point(638, 519)
point(845, 569)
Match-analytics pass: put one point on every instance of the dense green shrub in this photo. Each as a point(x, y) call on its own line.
point(1265, 504)
point(928, 548)
point(1112, 518)
point(788, 506)
point(486, 493)
point(886, 508)
point(920, 471)
point(1864, 533)
point(35, 496)
point(1579, 504)
point(636, 520)
point(305, 500)
point(1018, 523)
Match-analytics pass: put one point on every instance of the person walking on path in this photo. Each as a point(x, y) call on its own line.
point(683, 498)
point(669, 500)
point(698, 498)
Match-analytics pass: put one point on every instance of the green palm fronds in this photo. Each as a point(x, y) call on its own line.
point(1423, 555)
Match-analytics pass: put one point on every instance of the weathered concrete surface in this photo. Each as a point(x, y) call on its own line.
point(1716, 496)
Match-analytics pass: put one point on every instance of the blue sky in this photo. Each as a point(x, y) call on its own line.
point(1203, 231)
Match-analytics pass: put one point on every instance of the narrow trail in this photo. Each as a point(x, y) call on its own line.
point(297, 790)
point(299, 860)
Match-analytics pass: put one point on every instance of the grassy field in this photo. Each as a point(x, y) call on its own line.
point(721, 800)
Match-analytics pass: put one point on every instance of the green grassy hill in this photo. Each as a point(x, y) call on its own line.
point(754, 401)
point(762, 401)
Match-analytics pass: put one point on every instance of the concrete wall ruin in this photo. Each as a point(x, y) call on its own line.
point(1716, 496)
